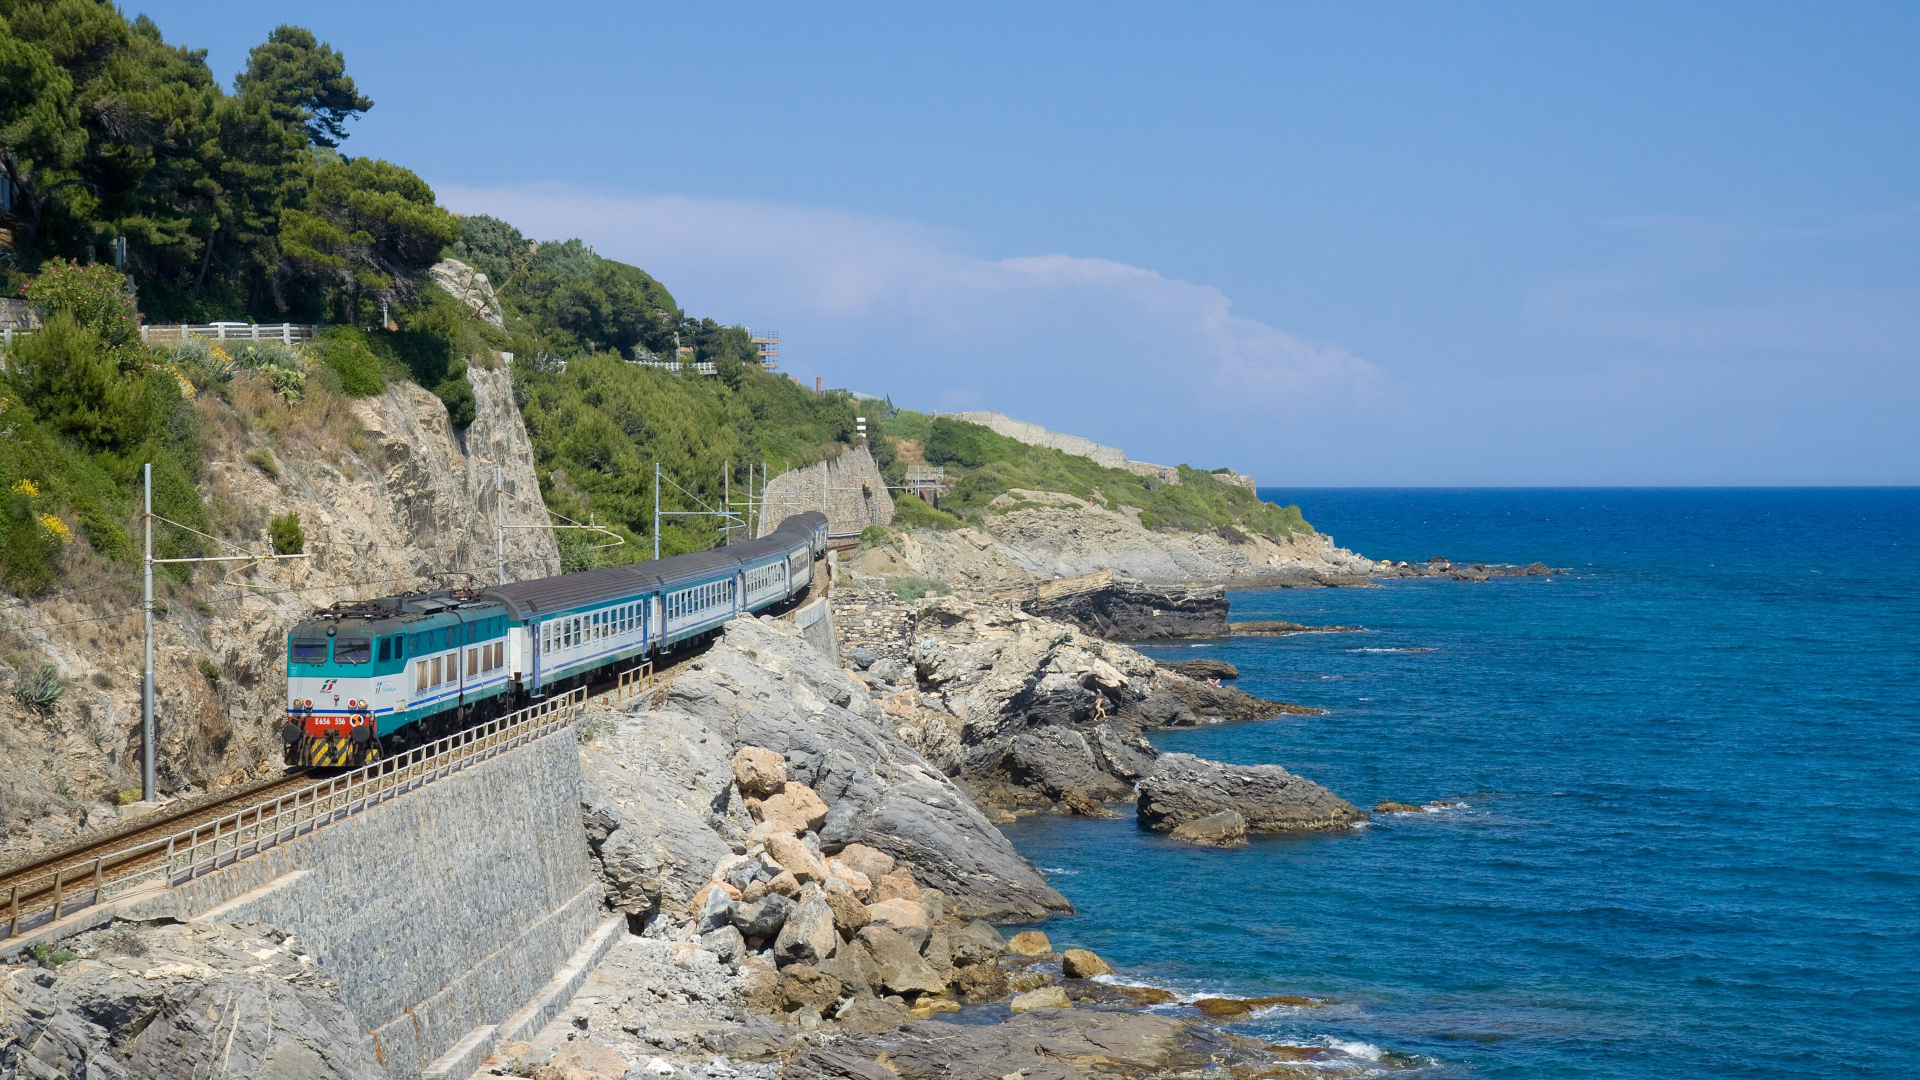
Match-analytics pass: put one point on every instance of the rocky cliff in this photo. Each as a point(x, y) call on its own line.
point(665, 806)
point(390, 496)
point(1017, 550)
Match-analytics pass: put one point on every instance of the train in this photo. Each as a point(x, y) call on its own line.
point(370, 678)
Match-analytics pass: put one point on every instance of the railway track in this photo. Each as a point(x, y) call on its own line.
point(76, 874)
point(43, 888)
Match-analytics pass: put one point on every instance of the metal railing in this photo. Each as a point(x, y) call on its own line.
point(203, 848)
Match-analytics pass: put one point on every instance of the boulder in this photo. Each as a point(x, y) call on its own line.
point(1184, 788)
point(759, 771)
point(715, 908)
point(1082, 964)
point(1226, 829)
point(898, 962)
point(1047, 997)
point(978, 943)
point(764, 918)
point(842, 877)
point(979, 983)
point(865, 860)
point(803, 986)
point(796, 809)
point(849, 914)
point(807, 935)
point(591, 1059)
point(934, 903)
point(794, 858)
point(854, 968)
point(898, 914)
point(1031, 943)
point(898, 885)
point(784, 884)
point(870, 1016)
point(727, 943)
point(1050, 1044)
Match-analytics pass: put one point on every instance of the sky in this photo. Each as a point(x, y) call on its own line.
point(1325, 244)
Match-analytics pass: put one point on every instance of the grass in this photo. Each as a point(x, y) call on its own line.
point(910, 589)
point(981, 466)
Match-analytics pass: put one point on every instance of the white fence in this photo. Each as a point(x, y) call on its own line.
point(285, 333)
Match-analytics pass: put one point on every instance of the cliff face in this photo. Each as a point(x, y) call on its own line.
point(387, 492)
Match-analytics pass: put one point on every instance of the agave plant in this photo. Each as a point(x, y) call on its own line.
point(39, 690)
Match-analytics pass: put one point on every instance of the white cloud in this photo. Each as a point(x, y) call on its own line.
point(1096, 347)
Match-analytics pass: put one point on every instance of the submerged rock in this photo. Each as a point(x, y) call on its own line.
point(1226, 829)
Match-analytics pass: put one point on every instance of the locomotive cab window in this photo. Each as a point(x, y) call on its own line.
point(386, 650)
point(310, 651)
point(352, 650)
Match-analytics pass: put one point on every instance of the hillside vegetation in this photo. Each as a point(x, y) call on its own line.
point(242, 204)
point(981, 465)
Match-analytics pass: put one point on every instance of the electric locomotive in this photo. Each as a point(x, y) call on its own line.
point(376, 676)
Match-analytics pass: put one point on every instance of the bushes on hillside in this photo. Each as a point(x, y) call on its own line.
point(344, 349)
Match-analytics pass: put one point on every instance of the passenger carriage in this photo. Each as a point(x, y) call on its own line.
point(397, 671)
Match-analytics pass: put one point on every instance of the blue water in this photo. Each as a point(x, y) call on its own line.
point(1688, 843)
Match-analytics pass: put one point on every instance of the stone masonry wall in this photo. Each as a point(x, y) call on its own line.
point(444, 910)
point(867, 615)
point(848, 489)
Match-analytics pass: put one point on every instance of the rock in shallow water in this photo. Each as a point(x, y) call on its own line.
point(1183, 788)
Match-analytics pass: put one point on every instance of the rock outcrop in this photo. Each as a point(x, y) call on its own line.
point(390, 496)
point(177, 1001)
point(1183, 789)
point(1120, 610)
point(1031, 714)
point(1020, 549)
point(666, 804)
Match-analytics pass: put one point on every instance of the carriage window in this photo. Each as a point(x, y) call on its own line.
point(357, 650)
point(419, 675)
point(310, 650)
point(436, 672)
point(473, 662)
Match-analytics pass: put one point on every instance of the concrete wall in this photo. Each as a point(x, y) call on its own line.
point(848, 489)
point(445, 910)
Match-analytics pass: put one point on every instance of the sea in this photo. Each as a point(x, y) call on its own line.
point(1675, 791)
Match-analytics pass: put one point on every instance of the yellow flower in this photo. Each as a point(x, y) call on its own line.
point(27, 488)
point(220, 354)
point(186, 388)
point(56, 529)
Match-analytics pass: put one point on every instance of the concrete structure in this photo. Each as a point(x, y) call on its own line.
point(451, 918)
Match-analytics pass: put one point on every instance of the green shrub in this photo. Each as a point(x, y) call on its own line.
point(288, 539)
point(344, 349)
point(912, 512)
point(456, 393)
point(209, 671)
point(96, 296)
point(911, 589)
point(875, 535)
point(956, 442)
point(262, 459)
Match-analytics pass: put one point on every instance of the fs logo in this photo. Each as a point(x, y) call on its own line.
point(328, 685)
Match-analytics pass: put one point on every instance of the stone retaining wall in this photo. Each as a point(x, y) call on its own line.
point(869, 616)
point(848, 489)
point(445, 910)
